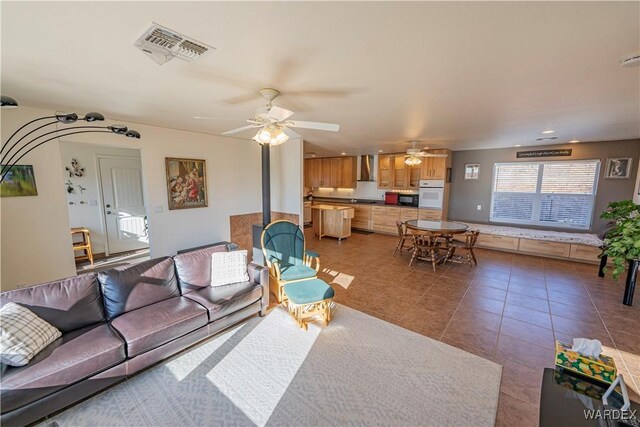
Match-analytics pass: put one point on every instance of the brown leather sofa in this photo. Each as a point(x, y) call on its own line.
point(118, 322)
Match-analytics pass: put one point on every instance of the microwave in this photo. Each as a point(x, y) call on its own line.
point(408, 200)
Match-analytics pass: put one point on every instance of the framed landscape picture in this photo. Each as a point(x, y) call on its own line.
point(471, 171)
point(186, 183)
point(618, 168)
point(19, 181)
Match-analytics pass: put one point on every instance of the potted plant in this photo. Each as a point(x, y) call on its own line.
point(622, 243)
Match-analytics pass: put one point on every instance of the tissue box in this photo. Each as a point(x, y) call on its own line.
point(601, 368)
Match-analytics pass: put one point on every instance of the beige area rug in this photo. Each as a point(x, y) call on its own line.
point(359, 370)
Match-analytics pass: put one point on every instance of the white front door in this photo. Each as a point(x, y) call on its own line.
point(123, 203)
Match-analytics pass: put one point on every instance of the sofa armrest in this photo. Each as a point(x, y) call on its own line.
point(260, 274)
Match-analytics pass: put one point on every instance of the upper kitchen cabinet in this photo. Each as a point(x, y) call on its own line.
point(385, 162)
point(330, 172)
point(435, 167)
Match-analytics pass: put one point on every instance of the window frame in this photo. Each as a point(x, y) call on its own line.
point(538, 195)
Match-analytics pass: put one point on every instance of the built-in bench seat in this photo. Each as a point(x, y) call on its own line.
point(556, 244)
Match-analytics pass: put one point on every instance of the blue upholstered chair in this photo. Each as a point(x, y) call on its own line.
point(284, 251)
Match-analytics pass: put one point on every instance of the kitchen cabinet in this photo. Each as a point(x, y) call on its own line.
point(434, 167)
point(399, 173)
point(407, 214)
point(384, 171)
point(430, 214)
point(384, 219)
point(333, 172)
point(362, 217)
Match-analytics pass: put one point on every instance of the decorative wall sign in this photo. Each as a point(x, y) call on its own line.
point(75, 170)
point(544, 153)
point(471, 170)
point(19, 180)
point(618, 168)
point(186, 183)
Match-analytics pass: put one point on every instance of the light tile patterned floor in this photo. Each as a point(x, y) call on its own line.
point(509, 309)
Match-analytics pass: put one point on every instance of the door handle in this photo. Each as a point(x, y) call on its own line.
point(108, 212)
point(108, 206)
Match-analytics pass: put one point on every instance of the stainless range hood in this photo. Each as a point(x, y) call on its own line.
point(366, 168)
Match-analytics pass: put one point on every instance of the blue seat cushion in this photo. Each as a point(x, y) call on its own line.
point(296, 272)
point(308, 291)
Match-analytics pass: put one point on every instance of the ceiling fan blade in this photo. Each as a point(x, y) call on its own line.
point(290, 133)
point(314, 125)
point(243, 128)
point(279, 114)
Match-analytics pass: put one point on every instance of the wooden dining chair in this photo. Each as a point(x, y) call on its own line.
point(403, 236)
point(470, 239)
point(425, 247)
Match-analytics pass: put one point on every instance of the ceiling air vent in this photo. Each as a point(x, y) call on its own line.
point(162, 44)
point(547, 138)
point(631, 61)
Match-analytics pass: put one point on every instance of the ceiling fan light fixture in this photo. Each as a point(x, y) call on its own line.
point(272, 135)
point(412, 161)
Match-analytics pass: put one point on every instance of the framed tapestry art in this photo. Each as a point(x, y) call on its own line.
point(186, 183)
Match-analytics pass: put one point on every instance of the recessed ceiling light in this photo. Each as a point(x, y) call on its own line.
point(548, 131)
point(574, 141)
point(380, 151)
point(343, 153)
point(313, 155)
point(518, 145)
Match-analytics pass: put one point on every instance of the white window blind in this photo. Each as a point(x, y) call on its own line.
point(555, 194)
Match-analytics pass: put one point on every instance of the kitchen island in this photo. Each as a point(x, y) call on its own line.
point(333, 221)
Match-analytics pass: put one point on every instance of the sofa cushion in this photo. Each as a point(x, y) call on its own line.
point(296, 272)
point(194, 268)
point(138, 286)
point(223, 300)
point(73, 357)
point(229, 267)
point(23, 334)
point(151, 326)
point(66, 304)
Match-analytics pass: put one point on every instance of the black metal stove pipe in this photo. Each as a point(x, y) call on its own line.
point(266, 185)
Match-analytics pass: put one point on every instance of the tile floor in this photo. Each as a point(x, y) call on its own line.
point(509, 309)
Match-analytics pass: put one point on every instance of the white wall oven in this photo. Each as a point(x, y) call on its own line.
point(431, 193)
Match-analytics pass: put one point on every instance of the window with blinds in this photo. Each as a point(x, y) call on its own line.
point(555, 194)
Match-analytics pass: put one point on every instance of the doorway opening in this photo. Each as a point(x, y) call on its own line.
point(106, 204)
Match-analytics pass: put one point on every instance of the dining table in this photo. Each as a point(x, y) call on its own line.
point(441, 229)
point(437, 227)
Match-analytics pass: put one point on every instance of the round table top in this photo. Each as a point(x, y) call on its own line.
point(437, 226)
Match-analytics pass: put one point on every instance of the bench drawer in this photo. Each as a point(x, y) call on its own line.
point(585, 253)
point(498, 242)
point(545, 247)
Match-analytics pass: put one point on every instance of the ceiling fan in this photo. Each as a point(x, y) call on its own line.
point(414, 155)
point(274, 126)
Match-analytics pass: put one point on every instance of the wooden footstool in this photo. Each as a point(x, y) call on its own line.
point(309, 298)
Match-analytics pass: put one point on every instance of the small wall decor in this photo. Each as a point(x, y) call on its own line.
point(69, 186)
point(75, 170)
point(618, 168)
point(566, 152)
point(19, 180)
point(471, 170)
point(186, 183)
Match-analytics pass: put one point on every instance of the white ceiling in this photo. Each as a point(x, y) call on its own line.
point(457, 75)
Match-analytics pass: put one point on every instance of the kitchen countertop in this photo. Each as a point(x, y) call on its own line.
point(330, 207)
point(347, 201)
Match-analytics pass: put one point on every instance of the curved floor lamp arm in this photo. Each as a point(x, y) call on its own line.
point(40, 136)
point(45, 141)
point(24, 126)
point(24, 136)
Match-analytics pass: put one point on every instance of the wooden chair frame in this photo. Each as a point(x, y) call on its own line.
point(425, 247)
point(402, 237)
point(276, 283)
point(470, 239)
point(300, 312)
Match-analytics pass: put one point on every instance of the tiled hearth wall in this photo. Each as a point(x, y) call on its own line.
point(241, 227)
